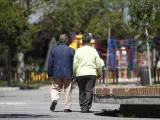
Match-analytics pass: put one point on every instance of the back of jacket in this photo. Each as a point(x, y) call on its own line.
point(61, 62)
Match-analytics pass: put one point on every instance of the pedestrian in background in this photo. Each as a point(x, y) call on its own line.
point(86, 66)
point(60, 68)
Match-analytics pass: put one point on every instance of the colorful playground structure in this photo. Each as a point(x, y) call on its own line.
point(123, 61)
point(77, 43)
point(121, 56)
point(122, 64)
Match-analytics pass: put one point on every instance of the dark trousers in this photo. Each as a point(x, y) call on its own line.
point(86, 85)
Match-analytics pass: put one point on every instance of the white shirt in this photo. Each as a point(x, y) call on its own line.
point(102, 63)
point(158, 65)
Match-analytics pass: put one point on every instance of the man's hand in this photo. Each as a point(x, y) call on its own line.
point(98, 75)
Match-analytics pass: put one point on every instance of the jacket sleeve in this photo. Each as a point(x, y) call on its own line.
point(72, 54)
point(75, 64)
point(72, 57)
point(50, 62)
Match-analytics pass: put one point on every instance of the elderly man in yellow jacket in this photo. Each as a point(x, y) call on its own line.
point(86, 66)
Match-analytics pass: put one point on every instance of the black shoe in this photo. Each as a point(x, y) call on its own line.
point(53, 105)
point(67, 110)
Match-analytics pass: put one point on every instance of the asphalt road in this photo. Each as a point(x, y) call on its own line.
point(34, 105)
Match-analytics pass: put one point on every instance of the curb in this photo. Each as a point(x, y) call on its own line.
point(9, 88)
point(29, 87)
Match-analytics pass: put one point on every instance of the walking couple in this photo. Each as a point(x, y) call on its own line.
point(64, 64)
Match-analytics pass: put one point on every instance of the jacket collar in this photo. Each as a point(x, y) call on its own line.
point(62, 43)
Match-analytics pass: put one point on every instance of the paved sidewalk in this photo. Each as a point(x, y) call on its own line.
point(34, 105)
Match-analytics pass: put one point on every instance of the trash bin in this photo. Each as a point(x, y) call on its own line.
point(144, 76)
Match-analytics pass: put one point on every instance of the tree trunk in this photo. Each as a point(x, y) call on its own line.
point(28, 7)
point(20, 67)
point(51, 44)
point(158, 24)
point(9, 65)
point(149, 61)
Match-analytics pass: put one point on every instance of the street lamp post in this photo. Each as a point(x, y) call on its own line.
point(107, 55)
point(8, 65)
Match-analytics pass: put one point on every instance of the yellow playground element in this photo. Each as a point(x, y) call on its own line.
point(39, 77)
point(31, 76)
point(77, 42)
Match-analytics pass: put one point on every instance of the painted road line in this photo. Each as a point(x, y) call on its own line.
point(12, 103)
point(23, 103)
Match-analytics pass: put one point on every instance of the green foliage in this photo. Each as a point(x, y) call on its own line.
point(144, 15)
point(27, 38)
point(141, 12)
point(31, 6)
point(15, 31)
point(86, 16)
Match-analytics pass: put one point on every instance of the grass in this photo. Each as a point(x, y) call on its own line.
point(26, 83)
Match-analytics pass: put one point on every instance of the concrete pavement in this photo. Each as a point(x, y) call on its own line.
point(34, 105)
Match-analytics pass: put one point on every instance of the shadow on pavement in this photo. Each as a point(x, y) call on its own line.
point(72, 111)
point(24, 116)
point(133, 111)
point(112, 113)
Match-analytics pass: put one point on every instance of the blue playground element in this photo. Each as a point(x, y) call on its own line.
point(113, 46)
point(112, 54)
point(132, 54)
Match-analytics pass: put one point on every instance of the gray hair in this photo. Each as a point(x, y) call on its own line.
point(63, 38)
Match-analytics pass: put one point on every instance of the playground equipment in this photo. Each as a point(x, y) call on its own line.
point(121, 57)
point(41, 76)
point(121, 60)
point(77, 43)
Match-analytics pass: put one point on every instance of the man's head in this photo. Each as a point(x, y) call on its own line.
point(86, 38)
point(63, 38)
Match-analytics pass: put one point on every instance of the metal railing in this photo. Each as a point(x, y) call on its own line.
point(117, 76)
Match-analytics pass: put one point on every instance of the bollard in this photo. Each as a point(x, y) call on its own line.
point(144, 76)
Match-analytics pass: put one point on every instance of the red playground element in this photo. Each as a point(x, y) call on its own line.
point(101, 49)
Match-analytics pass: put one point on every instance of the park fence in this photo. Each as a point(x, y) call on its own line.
point(29, 75)
point(117, 76)
point(114, 76)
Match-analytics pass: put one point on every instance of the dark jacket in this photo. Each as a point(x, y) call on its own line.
point(60, 64)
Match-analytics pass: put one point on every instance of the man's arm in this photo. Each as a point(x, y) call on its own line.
point(72, 57)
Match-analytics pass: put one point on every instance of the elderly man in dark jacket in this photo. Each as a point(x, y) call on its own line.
point(60, 69)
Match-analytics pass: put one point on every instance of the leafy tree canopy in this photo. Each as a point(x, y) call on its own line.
point(15, 31)
point(144, 14)
point(93, 16)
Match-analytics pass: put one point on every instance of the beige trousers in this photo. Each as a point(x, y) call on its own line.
point(57, 86)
